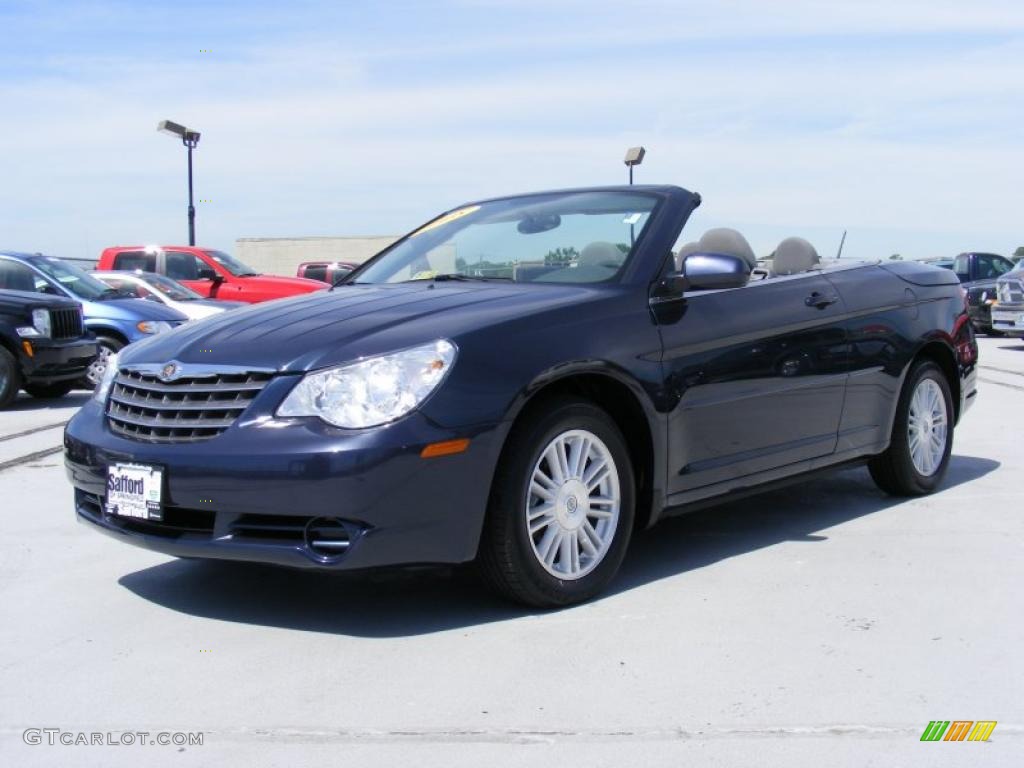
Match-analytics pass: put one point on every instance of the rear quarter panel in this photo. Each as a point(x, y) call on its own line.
point(889, 322)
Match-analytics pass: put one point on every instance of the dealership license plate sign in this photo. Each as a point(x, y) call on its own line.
point(134, 490)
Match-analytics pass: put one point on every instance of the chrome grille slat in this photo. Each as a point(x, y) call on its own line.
point(189, 409)
point(120, 396)
point(1010, 292)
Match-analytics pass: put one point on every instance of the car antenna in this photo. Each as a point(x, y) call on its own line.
point(842, 242)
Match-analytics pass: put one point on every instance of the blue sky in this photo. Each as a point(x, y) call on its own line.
point(899, 121)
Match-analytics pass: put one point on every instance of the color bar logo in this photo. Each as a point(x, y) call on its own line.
point(958, 730)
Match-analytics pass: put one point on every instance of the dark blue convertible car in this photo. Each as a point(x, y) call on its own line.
point(523, 382)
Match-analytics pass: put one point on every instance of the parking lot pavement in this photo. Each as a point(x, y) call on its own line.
point(823, 624)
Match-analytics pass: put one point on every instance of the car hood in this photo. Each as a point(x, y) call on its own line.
point(19, 300)
point(270, 282)
point(132, 310)
point(328, 328)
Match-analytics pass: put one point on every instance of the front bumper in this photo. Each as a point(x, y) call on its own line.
point(256, 491)
point(54, 361)
point(1008, 318)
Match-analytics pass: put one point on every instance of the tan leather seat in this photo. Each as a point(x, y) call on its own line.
point(600, 254)
point(793, 256)
point(727, 241)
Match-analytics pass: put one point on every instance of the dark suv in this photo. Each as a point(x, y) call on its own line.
point(44, 347)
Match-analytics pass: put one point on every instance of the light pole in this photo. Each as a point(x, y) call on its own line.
point(190, 139)
point(634, 156)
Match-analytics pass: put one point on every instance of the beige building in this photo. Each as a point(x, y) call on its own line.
point(282, 255)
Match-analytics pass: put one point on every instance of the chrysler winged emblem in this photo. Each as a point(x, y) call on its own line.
point(169, 372)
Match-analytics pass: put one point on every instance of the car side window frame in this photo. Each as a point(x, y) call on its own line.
point(146, 265)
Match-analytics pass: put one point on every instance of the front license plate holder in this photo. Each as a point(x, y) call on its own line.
point(135, 490)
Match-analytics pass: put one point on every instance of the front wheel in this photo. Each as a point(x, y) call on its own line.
point(94, 373)
point(561, 509)
point(922, 435)
point(10, 378)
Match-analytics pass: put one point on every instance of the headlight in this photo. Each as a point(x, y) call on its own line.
point(40, 325)
point(153, 326)
point(104, 384)
point(374, 391)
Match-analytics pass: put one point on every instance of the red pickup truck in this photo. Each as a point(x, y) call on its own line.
point(211, 273)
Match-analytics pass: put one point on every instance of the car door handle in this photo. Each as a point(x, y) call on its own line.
point(820, 300)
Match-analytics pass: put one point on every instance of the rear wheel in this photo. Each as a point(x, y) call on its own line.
point(922, 435)
point(10, 378)
point(47, 391)
point(561, 509)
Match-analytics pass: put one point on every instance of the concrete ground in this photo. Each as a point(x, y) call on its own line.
point(824, 624)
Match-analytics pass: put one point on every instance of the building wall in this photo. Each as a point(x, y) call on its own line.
point(282, 255)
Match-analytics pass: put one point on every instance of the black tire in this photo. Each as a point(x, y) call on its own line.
point(894, 471)
point(50, 391)
point(108, 345)
point(507, 556)
point(10, 378)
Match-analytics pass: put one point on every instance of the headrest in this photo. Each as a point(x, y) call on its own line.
point(600, 254)
point(794, 255)
point(728, 242)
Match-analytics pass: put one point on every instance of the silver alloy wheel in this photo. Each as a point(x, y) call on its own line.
point(572, 505)
point(98, 366)
point(3, 379)
point(927, 423)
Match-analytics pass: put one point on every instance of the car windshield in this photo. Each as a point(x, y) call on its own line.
point(572, 237)
point(231, 264)
point(79, 283)
point(172, 289)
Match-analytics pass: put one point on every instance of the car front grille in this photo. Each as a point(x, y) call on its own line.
point(66, 323)
point(187, 410)
point(1010, 292)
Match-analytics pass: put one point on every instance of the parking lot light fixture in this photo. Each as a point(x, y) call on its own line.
point(190, 139)
point(634, 156)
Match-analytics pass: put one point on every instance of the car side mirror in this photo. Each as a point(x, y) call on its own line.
point(207, 273)
point(710, 271)
point(48, 289)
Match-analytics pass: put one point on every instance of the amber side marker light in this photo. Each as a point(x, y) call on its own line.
point(27, 346)
point(447, 448)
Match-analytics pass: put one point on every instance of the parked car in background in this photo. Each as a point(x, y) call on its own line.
point(940, 261)
point(208, 272)
point(149, 285)
point(84, 264)
point(1008, 311)
point(44, 346)
point(325, 271)
point(978, 273)
point(421, 412)
point(115, 319)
